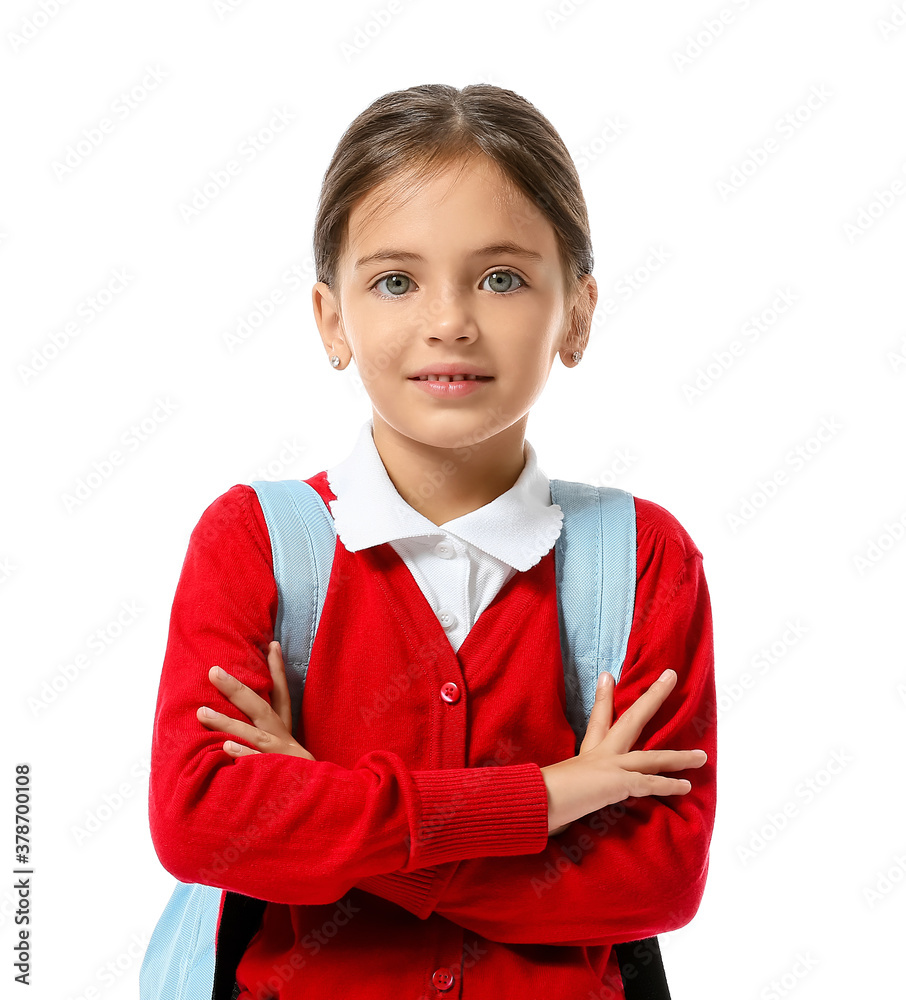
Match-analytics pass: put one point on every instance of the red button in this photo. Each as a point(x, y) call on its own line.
point(442, 978)
point(450, 693)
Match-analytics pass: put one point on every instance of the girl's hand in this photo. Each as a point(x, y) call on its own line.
point(270, 725)
point(606, 770)
point(599, 723)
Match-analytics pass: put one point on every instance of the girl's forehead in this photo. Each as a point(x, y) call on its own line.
point(416, 194)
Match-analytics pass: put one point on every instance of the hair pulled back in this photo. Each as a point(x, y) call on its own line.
point(420, 130)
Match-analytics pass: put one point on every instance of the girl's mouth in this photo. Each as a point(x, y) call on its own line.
point(450, 378)
point(450, 386)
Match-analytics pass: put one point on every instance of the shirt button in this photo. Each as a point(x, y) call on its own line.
point(447, 618)
point(445, 550)
point(450, 693)
point(442, 978)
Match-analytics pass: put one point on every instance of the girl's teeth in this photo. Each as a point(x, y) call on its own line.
point(446, 378)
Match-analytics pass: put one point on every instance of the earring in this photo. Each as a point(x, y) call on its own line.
point(335, 361)
point(576, 356)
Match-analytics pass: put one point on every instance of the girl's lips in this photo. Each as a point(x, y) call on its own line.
point(450, 390)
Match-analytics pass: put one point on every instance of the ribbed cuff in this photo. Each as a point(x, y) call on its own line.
point(411, 890)
point(479, 812)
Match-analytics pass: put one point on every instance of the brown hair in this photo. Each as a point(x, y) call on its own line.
point(421, 129)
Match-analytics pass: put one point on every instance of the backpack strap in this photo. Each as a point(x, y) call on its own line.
point(595, 565)
point(594, 559)
point(178, 963)
point(642, 969)
point(303, 542)
point(182, 961)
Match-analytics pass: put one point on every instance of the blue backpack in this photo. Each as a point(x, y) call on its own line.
point(595, 571)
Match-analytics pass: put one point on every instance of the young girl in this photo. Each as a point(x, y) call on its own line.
point(428, 830)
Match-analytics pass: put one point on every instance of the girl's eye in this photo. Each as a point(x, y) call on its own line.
point(502, 281)
point(398, 284)
point(396, 280)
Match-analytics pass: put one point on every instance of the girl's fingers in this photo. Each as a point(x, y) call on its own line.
point(655, 761)
point(247, 701)
point(227, 724)
point(601, 717)
point(267, 733)
point(238, 750)
point(641, 785)
point(625, 731)
point(280, 701)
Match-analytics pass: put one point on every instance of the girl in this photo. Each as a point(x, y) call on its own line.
point(428, 830)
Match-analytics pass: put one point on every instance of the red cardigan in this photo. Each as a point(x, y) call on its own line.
point(411, 857)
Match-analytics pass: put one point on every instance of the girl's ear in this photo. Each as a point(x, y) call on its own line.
point(328, 318)
point(580, 317)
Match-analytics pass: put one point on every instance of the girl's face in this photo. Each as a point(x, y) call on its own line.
point(465, 272)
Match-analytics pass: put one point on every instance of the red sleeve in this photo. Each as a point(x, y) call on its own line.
point(286, 829)
point(636, 868)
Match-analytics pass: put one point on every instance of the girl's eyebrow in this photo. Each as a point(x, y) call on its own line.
point(491, 250)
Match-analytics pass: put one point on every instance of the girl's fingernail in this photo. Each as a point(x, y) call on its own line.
point(219, 672)
point(605, 679)
point(208, 713)
point(665, 675)
point(231, 746)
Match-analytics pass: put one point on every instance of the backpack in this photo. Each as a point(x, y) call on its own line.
point(182, 961)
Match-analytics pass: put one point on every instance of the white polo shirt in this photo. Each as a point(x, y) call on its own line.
point(462, 564)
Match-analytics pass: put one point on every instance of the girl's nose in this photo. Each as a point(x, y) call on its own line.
point(448, 316)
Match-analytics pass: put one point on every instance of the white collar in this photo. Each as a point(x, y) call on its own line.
point(518, 527)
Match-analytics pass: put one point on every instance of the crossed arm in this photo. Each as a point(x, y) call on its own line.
point(624, 872)
point(619, 873)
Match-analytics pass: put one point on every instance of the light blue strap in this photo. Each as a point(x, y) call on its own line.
point(303, 541)
point(179, 961)
point(595, 567)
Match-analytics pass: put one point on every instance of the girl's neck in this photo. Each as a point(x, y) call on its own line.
point(445, 483)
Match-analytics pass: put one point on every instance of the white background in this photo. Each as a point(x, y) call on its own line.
point(655, 138)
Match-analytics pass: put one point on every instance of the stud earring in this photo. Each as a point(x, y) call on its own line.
point(335, 361)
point(576, 356)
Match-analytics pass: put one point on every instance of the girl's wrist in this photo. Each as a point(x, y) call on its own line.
point(553, 781)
